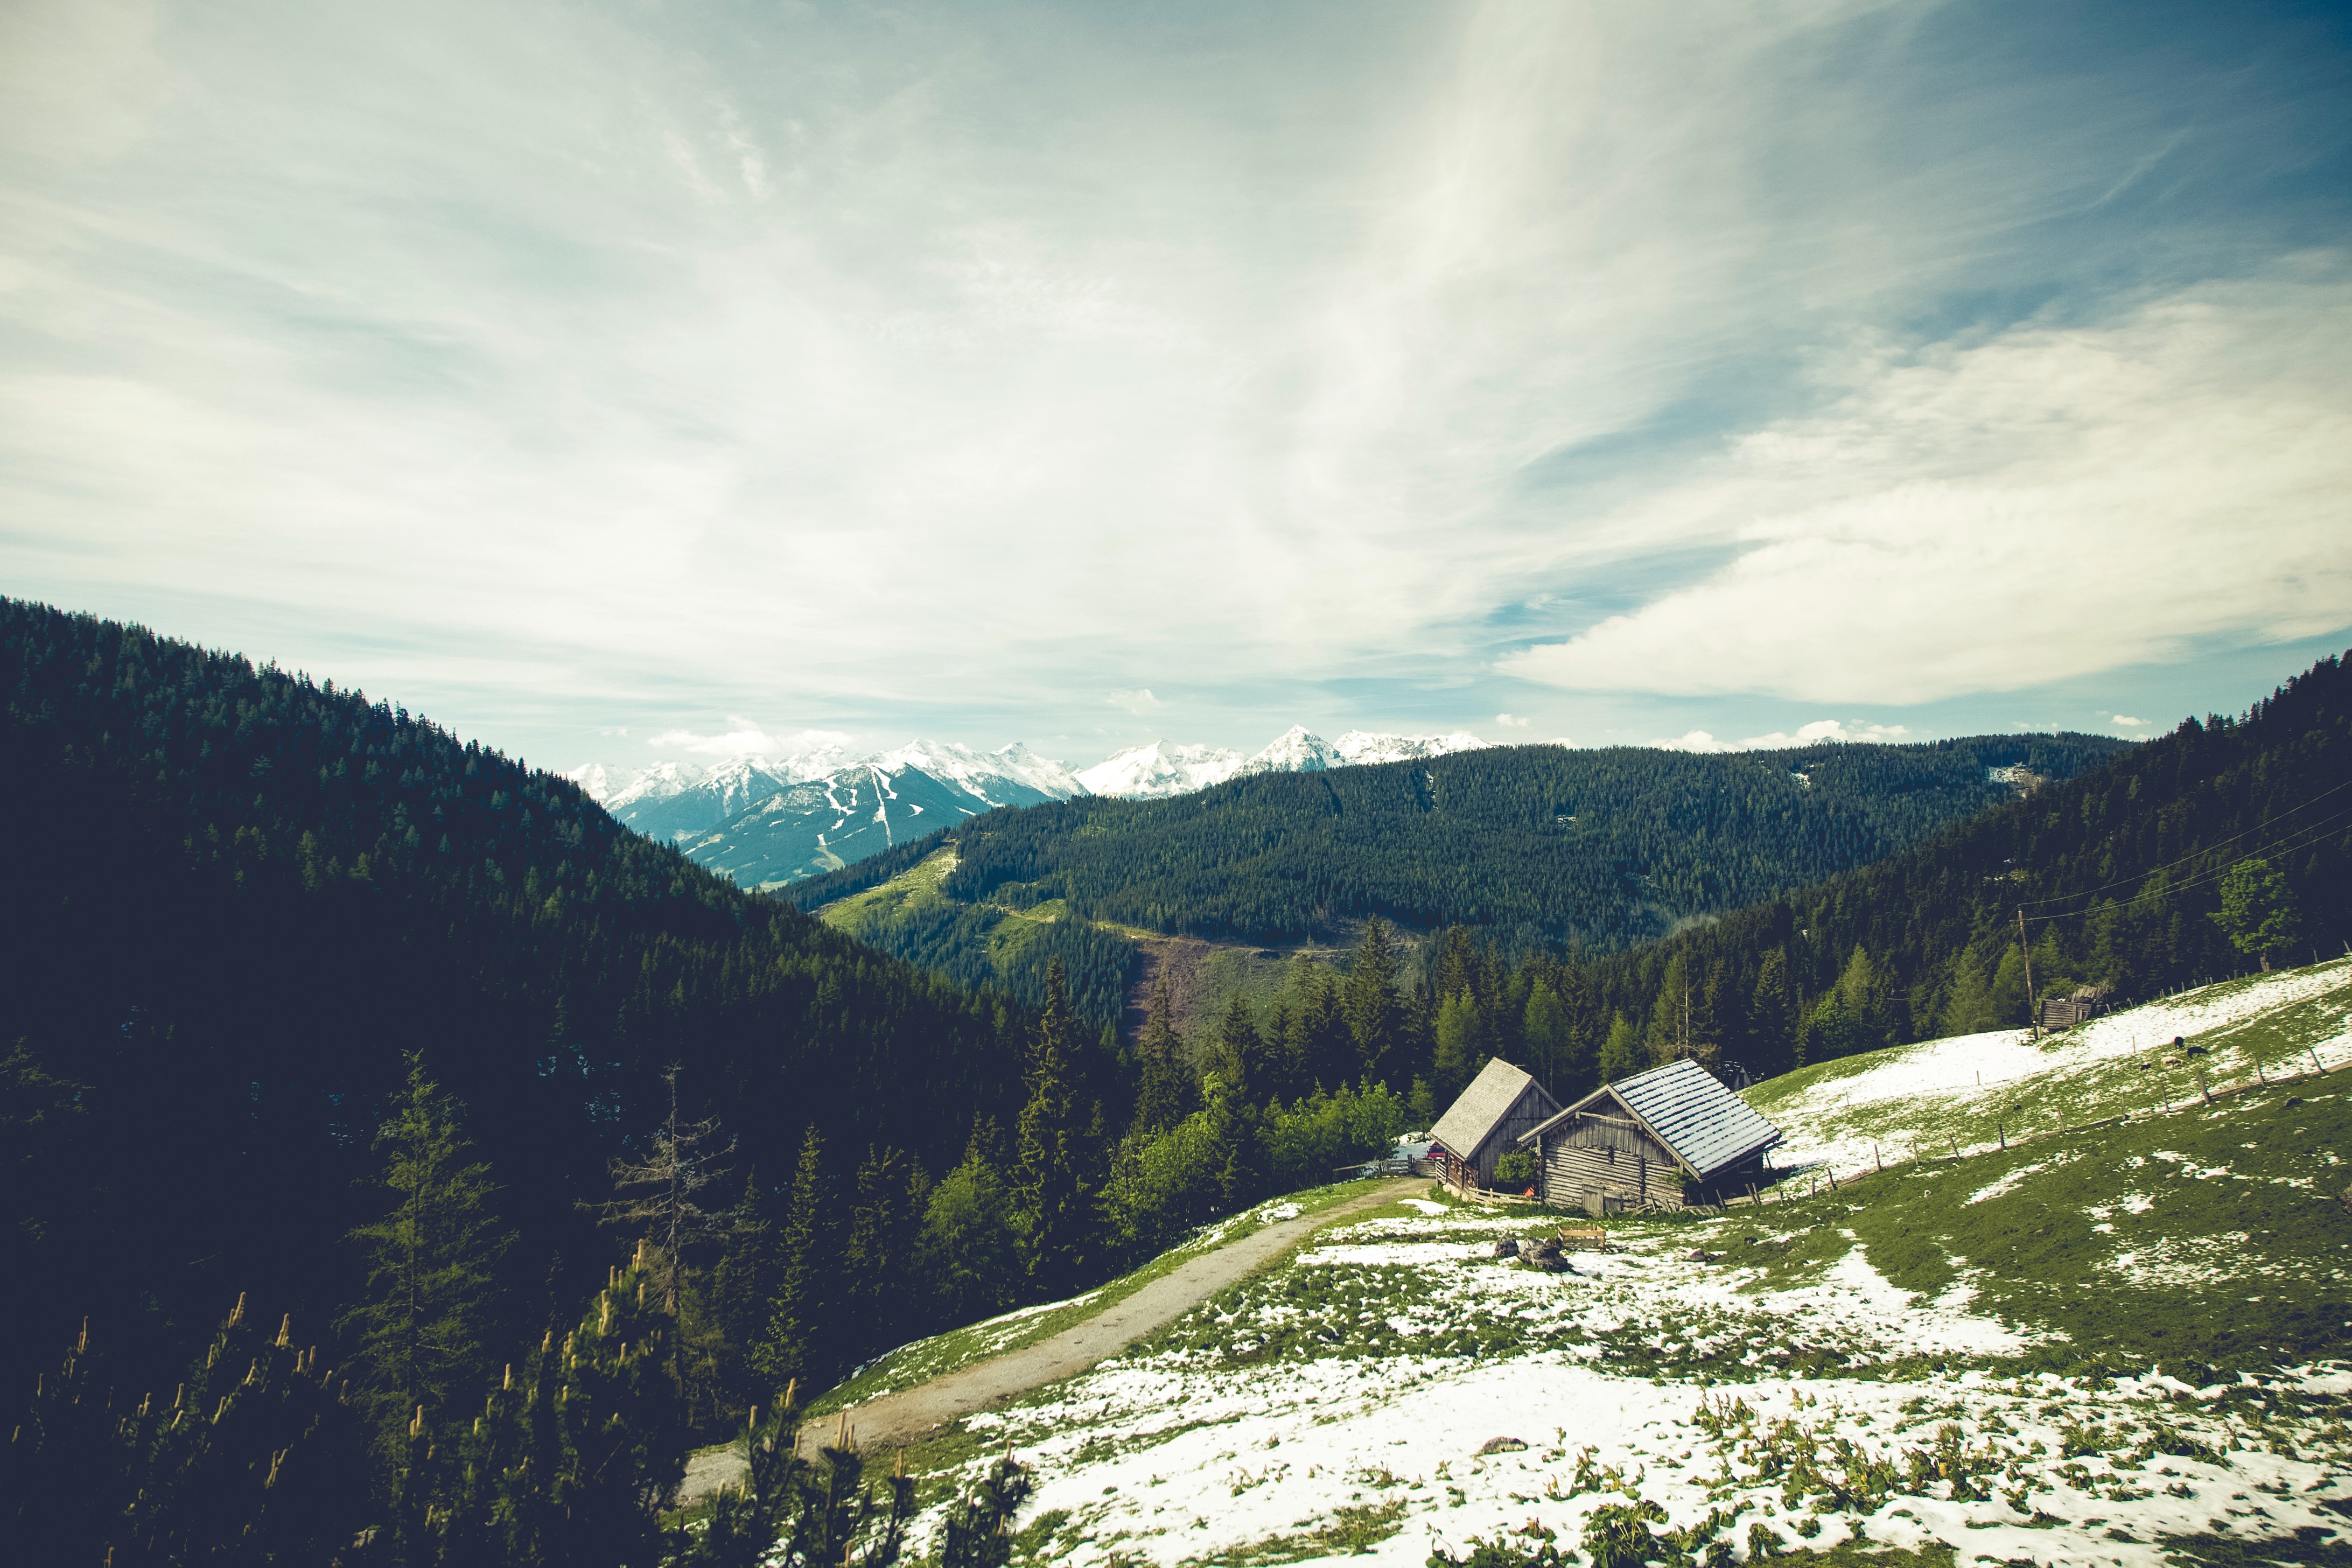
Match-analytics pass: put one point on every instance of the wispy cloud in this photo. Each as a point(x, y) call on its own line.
point(2047, 504)
point(1511, 722)
point(746, 739)
point(839, 362)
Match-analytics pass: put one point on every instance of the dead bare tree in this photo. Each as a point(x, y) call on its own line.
point(656, 1195)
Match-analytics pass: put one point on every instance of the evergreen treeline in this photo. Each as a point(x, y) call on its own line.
point(2200, 854)
point(310, 1004)
point(241, 899)
point(1543, 848)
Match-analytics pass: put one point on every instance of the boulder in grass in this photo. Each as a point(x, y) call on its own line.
point(1501, 1445)
point(1507, 1247)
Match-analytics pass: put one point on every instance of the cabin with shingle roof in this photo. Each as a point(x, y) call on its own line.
point(1662, 1139)
point(1478, 1129)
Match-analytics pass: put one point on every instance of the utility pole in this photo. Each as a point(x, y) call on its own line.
point(2033, 1009)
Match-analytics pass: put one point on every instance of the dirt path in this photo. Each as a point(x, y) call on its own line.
point(896, 1419)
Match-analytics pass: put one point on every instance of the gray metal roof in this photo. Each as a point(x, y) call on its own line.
point(1706, 1125)
point(1470, 1120)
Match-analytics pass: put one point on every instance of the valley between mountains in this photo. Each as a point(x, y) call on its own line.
point(425, 1162)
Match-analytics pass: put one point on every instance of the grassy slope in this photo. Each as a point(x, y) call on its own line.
point(2213, 1236)
point(1928, 1096)
point(958, 1348)
point(1219, 971)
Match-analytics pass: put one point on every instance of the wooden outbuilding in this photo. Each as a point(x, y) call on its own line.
point(2078, 1007)
point(1480, 1128)
point(1662, 1139)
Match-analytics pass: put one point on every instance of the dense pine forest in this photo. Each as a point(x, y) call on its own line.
point(465, 1157)
point(1542, 847)
point(344, 1063)
point(2222, 847)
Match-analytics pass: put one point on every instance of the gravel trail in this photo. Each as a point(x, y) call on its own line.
point(893, 1420)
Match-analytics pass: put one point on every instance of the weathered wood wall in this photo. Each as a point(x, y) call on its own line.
point(1533, 1106)
point(1611, 1157)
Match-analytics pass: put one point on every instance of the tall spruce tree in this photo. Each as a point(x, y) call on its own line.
point(1458, 1056)
point(798, 1344)
point(431, 1311)
point(730, 1305)
point(1544, 1025)
point(1374, 1016)
point(1049, 1192)
point(1772, 1015)
point(1166, 1091)
point(1240, 1052)
point(883, 1223)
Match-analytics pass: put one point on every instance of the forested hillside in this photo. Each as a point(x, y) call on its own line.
point(328, 1042)
point(2118, 876)
point(1542, 848)
point(239, 896)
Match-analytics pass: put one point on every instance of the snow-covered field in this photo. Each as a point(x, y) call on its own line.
point(1353, 1401)
point(1965, 1092)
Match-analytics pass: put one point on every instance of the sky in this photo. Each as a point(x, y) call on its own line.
point(622, 382)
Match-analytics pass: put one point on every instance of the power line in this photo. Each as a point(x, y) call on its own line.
point(2313, 830)
point(2198, 854)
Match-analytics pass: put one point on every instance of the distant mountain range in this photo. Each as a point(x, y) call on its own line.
point(766, 821)
point(1161, 769)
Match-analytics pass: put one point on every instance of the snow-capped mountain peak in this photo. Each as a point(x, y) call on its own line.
point(660, 782)
point(985, 773)
point(1161, 769)
point(1358, 748)
point(1297, 750)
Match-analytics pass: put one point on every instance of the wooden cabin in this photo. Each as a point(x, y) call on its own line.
point(1662, 1138)
point(2078, 1007)
point(1482, 1126)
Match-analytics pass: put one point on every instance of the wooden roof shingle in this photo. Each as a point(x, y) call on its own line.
point(1470, 1120)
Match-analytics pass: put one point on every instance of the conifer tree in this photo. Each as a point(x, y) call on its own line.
point(1166, 1091)
point(1545, 1028)
point(658, 1193)
point(738, 1293)
point(1240, 1052)
point(1290, 1079)
point(1049, 1195)
point(1621, 1053)
point(1320, 1040)
point(1772, 1016)
point(1458, 1058)
point(432, 1310)
point(882, 1228)
point(1371, 1003)
point(797, 1345)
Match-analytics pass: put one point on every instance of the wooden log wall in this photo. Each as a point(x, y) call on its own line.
point(1610, 1156)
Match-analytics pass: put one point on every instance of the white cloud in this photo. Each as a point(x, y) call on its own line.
point(1510, 721)
point(2051, 503)
point(2127, 719)
point(1814, 734)
point(808, 364)
point(746, 738)
point(745, 741)
point(1138, 703)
